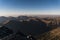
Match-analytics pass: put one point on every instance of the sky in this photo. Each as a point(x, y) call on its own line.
point(29, 7)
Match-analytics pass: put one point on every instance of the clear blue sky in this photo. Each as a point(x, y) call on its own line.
point(13, 7)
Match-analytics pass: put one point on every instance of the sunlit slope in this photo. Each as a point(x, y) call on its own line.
point(51, 35)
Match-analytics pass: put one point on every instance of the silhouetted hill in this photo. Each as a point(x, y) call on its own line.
point(11, 18)
point(3, 19)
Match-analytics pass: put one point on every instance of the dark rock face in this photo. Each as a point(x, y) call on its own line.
point(27, 27)
point(33, 27)
point(5, 32)
point(13, 25)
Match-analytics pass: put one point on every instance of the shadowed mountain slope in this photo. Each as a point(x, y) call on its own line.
point(28, 27)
